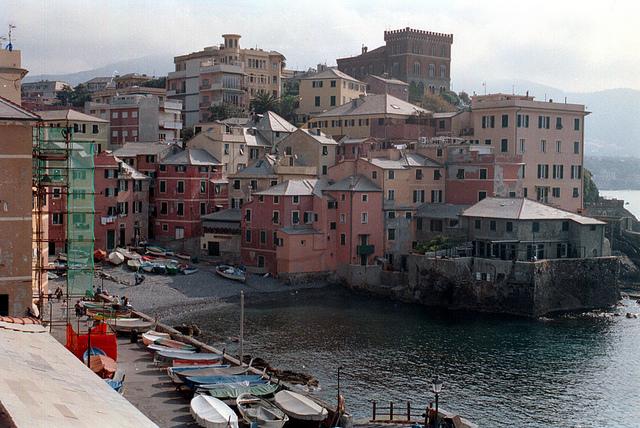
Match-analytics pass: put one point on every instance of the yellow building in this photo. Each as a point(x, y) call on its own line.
point(325, 90)
point(85, 127)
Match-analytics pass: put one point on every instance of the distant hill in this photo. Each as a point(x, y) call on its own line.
point(611, 128)
point(154, 65)
point(611, 173)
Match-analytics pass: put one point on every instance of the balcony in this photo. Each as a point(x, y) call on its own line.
point(170, 125)
point(365, 250)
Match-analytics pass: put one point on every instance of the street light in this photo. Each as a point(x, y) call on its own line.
point(436, 387)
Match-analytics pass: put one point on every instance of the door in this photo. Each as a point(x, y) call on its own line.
point(121, 240)
point(111, 239)
point(179, 232)
point(214, 248)
point(4, 304)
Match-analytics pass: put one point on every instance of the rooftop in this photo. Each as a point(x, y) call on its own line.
point(270, 121)
point(354, 183)
point(440, 210)
point(10, 110)
point(388, 80)
point(306, 187)
point(191, 157)
point(260, 168)
point(522, 209)
point(231, 214)
point(322, 138)
point(407, 160)
point(69, 114)
point(330, 73)
point(374, 104)
point(134, 149)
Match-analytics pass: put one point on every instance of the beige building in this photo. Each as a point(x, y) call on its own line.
point(548, 135)
point(11, 74)
point(325, 90)
point(309, 148)
point(223, 74)
point(85, 127)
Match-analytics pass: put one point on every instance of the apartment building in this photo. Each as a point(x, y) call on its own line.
point(223, 74)
point(189, 185)
point(43, 92)
point(99, 84)
point(380, 116)
point(83, 126)
point(412, 56)
point(548, 135)
point(325, 90)
point(309, 148)
point(138, 117)
point(385, 85)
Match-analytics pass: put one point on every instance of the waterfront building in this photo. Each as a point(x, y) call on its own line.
point(522, 229)
point(138, 116)
point(190, 184)
point(17, 284)
point(309, 148)
point(413, 56)
point(386, 85)
point(223, 74)
point(11, 74)
point(83, 126)
point(326, 89)
point(380, 116)
point(43, 92)
point(221, 234)
point(548, 135)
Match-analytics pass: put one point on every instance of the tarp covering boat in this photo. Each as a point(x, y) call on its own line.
point(224, 392)
point(300, 407)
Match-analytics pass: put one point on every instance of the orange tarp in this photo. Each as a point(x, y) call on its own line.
point(100, 338)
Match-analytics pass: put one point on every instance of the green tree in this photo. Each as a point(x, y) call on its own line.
point(225, 111)
point(287, 107)
point(75, 97)
point(451, 97)
point(186, 134)
point(590, 190)
point(464, 97)
point(263, 102)
point(160, 82)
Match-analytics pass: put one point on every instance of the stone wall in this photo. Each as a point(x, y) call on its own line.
point(529, 289)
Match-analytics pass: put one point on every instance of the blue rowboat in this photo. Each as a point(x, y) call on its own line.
point(194, 381)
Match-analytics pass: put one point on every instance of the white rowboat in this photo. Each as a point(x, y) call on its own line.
point(210, 412)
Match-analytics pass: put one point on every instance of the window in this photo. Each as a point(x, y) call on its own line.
point(236, 184)
point(555, 192)
point(324, 170)
point(181, 168)
point(543, 146)
point(317, 101)
point(203, 208)
point(295, 217)
point(436, 196)
point(408, 215)
point(165, 227)
point(56, 193)
point(365, 197)
point(492, 225)
point(544, 122)
point(343, 218)
point(436, 174)
point(418, 196)
point(543, 171)
point(247, 216)
point(253, 184)
point(247, 235)
point(56, 218)
point(333, 83)
point(391, 194)
point(482, 195)
point(565, 226)
point(114, 134)
point(558, 172)
point(343, 239)
point(488, 121)
point(391, 234)
point(260, 261)
point(478, 224)
point(114, 115)
point(263, 237)
point(487, 141)
point(391, 175)
point(509, 226)
point(163, 208)
point(558, 123)
point(203, 186)
point(576, 193)
point(504, 145)
point(180, 209)
point(436, 225)
point(523, 121)
point(364, 218)
point(296, 199)
point(576, 172)
point(332, 101)
point(535, 227)
point(163, 167)
point(134, 114)
point(576, 124)
point(418, 174)
point(374, 174)
point(95, 129)
point(460, 174)
point(576, 147)
point(226, 149)
point(483, 173)
point(505, 120)
point(180, 186)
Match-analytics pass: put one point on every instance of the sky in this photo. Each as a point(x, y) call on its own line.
point(577, 46)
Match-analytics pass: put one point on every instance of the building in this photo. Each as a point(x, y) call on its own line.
point(43, 92)
point(413, 56)
point(385, 85)
point(380, 116)
point(131, 79)
point(138, 117)
point(83, 126)
point(309, 148)
point(11, 74)
point(223, 74)
point(354, 148)
point(440, 220)
point(325, 90)
point(189, 185)
point(548, 135)
point(17, 286)
point(99, 84)
point(221, 234)
point(524, 230)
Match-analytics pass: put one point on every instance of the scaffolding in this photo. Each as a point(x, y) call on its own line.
point(65, 164)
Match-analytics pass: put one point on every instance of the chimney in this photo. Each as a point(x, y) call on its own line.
point(364, 49)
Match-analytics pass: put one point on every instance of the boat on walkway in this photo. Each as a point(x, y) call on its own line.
point(115, 258)
point(210, 412)
point(299, 407)
point(176, 373)
point(159, 348)
point(257, 410)
point(187, 270)
point(226, 392)
point(151, 336)
point(156, 251)
point(231, 272)
point(129, 324)
point(109, 313)
point(170, 343)
point(134, 264)
point(172, 358)
point(196, 381)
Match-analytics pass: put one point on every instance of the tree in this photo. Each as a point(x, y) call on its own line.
point(75, 97)
point(590, 190)
point(464, 97)
point(416, 93)
point(160, 82)
point(451, 97)
point(436, 103)
point(186, 134)
point(225, 110)
point(287, 107)
point(263, 102)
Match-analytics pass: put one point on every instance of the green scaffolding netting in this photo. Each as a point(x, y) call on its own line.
point(68, 162)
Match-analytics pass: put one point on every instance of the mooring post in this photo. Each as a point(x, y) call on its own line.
point(390, 410)
point(373, 418)
point(241, 328)
point(408, 410)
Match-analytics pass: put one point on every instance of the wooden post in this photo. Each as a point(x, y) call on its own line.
point(390, 410)
point(241, 328)
point(373, 418)
point(408, 410)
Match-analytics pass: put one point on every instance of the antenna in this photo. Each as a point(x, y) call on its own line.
point(10, 45)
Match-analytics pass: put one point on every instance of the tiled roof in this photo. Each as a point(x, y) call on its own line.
point(407, 160)
point(390, 81)
point(322, 138)
point(374, 105)
point(260, 168)
point(134, 149)
point(131, 172)
point(275, 123)
point(440, 210)
point(522, 209)
point(10, 110)
point(69, 114)
point(354, 183)
point(191, 157)
point(231, 214)
point(331, 73)
point(305, 187)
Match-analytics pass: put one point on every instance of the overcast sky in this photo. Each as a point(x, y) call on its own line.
point(572, 45)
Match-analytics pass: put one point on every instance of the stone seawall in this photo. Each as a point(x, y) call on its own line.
point(529, 289)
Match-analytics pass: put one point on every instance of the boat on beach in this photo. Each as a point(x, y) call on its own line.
point(176, 373)
point(128, 255)
point(172, 358)
point(231, 272)
point(160, 348)
point(257, 410)
point(151, 336)
point(299, 407)
point(156, 251)
point(195, 381)
point(134, 264)
point(129, 324)
point(210, 412)
point(116, 258)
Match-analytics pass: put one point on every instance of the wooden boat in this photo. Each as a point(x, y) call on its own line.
point(151, 336)
point(172, 358)
point(134, 264)
point(255, 409)
point(103, 366)
point(195, 381)
point(226, 392)
point(183, 256)
point(129, 324)
point(159, 348)
point(171, 268)
point(115, 258)
point(210, 412)
point(231, 272)
point(92, 351)
point(170, 343)
point(159, 268)
point(178, 373)
point(147, 267)
point(129, 255)
point(99, 255)
point(299, 407)
point(188, 270)
point(156, 251)
point(106, 313)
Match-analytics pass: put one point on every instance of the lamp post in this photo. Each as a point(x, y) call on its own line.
point(436, 387)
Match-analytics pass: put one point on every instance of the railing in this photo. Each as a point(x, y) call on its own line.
point(394, 414)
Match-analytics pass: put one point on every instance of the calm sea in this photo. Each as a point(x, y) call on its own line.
point(573, 371)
